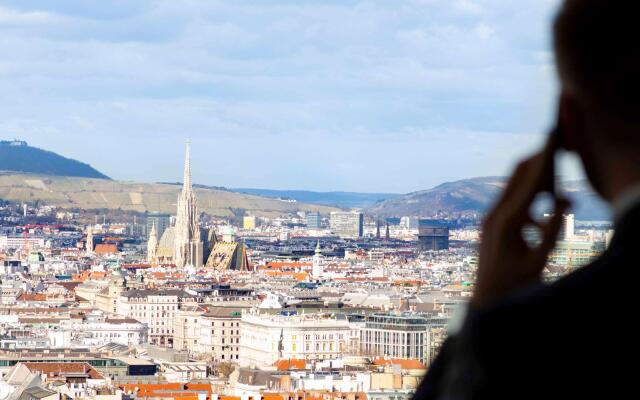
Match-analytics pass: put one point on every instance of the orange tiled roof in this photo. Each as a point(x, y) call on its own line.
point(287, 264)
point(287, 364)
point(106, 248)
point(170, 389)
point(299, 276)
point(84, 275)
point(404, 363)
point(32, 297)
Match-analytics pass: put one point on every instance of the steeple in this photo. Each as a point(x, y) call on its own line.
point(152, 244)
point(186, 180)
point(317, 269)
point(89, 242)
point(187, 244)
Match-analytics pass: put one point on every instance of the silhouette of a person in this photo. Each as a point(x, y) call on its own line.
point(575, 338)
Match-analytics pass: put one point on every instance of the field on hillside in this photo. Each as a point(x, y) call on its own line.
point(88, 193)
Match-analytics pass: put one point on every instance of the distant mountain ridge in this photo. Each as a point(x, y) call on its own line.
point(18, 156)
point(335, 199)
point(477, 195)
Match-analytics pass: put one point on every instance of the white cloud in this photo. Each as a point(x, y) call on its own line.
point(272, 77)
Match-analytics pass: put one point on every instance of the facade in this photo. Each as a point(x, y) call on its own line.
point(409, 222)
point(399, 336)
point(107, 299)
point(186, 327)
point(156, 308)
point(314, 221)
point(18, 242)
point(573, 253)
point(266, 338)
point(188, 247)
point(348, 224)
point(102, 331)
point(567, 230)
point(220, 334)
point(433, 235)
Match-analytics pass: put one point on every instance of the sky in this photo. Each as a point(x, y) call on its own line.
point(375, 96)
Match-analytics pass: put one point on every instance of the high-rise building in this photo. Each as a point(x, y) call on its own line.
point(409, 222)
point(567, 231)
point(188, 248)
point(433, 235)
point(161, 221)
point(314, 221)
point(349, 224)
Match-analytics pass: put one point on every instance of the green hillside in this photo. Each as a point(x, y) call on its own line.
point(18, 156)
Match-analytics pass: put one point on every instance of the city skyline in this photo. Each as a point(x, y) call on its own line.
point(284, 95)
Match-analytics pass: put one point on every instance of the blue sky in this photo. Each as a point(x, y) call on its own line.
point(322, 95)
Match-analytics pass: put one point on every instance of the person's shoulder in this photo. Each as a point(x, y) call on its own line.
point(583, 287)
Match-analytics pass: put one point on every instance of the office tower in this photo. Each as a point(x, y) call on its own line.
point(161, 221)
point(433, 235)
point(314, 220)
point(409, 222)
point(347, 224)
point(567, 230)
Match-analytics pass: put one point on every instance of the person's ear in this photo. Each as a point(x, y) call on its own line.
point(568, 123)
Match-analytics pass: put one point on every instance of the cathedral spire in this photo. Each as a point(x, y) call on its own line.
point(152, 244)
point(187, 243)
point(186, 180)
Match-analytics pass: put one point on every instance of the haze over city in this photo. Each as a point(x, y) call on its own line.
point(281, 94)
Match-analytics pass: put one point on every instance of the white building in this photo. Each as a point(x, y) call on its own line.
point(98, 330)
point(220, 334)
point(400, 336)
point(348, 224)
point(18, 242)
point(266, 338)
point(156, 308)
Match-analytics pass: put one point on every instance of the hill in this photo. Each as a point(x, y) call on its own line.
point(18, 156)
point(87, 193)
point(476, 195)
point(335, 199)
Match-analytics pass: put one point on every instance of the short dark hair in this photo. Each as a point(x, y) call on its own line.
point(598, 54)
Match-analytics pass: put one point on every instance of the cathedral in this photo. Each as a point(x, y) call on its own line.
point(182, 243)
point(189, 246)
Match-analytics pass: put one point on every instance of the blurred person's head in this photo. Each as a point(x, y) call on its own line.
point(598, 60)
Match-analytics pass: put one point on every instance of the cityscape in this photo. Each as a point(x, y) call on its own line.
point(262, 200)
point(340, 304)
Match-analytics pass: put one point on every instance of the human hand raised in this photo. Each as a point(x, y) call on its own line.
point(507, 262)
